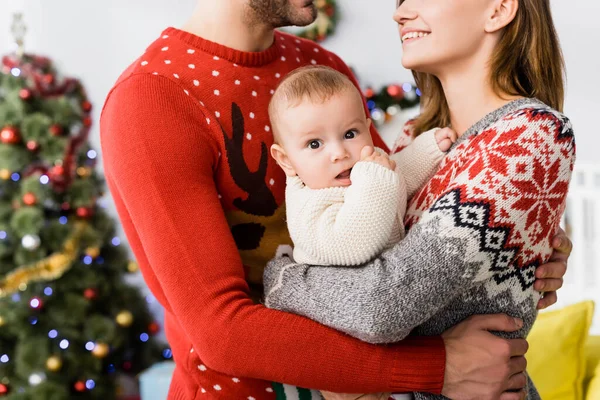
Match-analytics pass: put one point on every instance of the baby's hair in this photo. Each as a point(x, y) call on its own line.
point(316, 83)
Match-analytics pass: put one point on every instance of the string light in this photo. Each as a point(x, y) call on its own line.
point(48, 291)
point(144, 337)
point(92, 154)
point(44, 180)
point(53, 334)
point(64, 344)
point(116, 241)
point(15, 177)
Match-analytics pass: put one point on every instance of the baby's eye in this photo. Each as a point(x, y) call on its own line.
point(314, 144)
point(351, 134)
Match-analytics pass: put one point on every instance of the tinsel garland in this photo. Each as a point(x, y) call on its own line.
point(46, 269)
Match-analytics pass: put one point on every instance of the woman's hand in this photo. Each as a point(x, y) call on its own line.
point(550, 275)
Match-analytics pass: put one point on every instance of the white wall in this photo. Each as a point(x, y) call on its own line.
point(96, 40)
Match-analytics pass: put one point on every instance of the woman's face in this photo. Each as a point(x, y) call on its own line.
point(441, 34)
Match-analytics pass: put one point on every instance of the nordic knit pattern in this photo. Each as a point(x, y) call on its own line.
point(185, 133)
point(350, 225)
point(476, 233)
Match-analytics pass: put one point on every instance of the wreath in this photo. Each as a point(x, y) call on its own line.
point(324, 25)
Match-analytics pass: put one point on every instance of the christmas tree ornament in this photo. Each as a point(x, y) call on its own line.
point(153, 328)
point(56, 130)
point(53, 363)
point(2, 321)
point(79, 386)
point(325, 24)
point(90, 293)
point(87, 122)
point(100, 350)
point(3, 389)
point(84, 212)
point(86, 106)
point(84, 172)
point(48, 79)
point(10, 135)
point(25, 94)
point(29, 199)
point(395, 91)
point(36, 378)
point(93, 252)
point(32, 145)
point(5, 174)
point(133, 267)
point(124, 318)
point(31, 242)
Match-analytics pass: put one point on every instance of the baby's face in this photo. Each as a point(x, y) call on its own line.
point(323, 141)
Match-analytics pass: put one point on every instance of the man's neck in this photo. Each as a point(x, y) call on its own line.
point(470, 95)
point(224, 22)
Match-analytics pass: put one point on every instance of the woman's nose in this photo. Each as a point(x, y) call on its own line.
point(405, 11)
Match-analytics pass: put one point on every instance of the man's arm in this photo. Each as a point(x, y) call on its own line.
point(159, 156)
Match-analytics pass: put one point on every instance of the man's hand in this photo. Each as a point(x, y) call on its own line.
point(482, 366)
point(550, 275)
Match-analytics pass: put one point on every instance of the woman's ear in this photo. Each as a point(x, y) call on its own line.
point(279, 154)
point(502, 14)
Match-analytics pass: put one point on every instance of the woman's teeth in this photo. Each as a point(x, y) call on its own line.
point(414, 35)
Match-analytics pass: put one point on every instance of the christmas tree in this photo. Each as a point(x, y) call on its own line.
point(69, 324)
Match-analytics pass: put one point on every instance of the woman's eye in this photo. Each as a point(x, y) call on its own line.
point(350, 134)
point(314, 144)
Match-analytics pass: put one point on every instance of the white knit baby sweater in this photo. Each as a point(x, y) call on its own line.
point(351, 225)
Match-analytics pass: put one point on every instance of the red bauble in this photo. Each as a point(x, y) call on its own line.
point(32, 145)
point(153, 328)
point(25, 94)
point(395, 91)
point(57, 171)
point(86, 106)
point(79, 386)
point(49, 79)
point(85, 212)
point(56, 130)
point(10, 135)
point(65, 206)
point(3, 389)
point(369, 93)
point(90, 293)
point(29, 199)
point(87, 121)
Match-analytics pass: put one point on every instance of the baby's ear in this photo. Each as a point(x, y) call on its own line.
point(279, 154)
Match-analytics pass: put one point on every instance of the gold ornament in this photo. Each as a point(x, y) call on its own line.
point(84, 172)
point(5, 174)
point(124, 318)
point(53, 363)
point(2, 321)
point(46, 269)
point(133, 267)
point(100, 350)
point(93, 252)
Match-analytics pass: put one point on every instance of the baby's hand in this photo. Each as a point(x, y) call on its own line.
point(369, 154)
point(445, 137)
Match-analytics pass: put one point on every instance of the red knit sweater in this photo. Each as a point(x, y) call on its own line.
point(185, 137)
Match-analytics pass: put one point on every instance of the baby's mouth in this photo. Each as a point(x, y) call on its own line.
point(344, 174)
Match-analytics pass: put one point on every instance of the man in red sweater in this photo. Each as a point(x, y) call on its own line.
point(185, 137)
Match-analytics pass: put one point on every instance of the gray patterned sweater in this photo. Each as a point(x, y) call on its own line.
point(476, 233)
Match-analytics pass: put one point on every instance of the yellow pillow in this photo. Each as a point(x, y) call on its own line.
point(556, 361)
point(592, 370)
point(593, 388)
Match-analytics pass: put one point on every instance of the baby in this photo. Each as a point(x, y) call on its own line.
point(345, 200)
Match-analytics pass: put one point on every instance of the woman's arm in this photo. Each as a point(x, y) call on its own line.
point(491, 217)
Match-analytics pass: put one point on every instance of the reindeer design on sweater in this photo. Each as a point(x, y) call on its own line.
point(258, 223)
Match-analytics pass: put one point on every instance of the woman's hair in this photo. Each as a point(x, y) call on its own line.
point(527, 62)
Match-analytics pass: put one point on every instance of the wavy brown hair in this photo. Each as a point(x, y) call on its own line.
point(528, 62)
